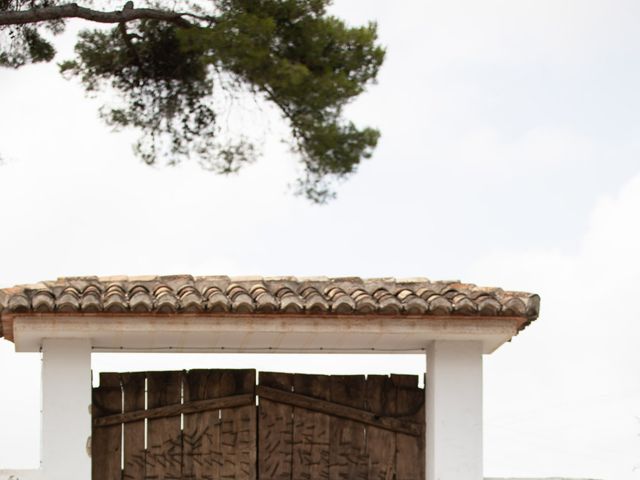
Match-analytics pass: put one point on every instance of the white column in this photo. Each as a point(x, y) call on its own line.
point(66, 398)
point(454, 410)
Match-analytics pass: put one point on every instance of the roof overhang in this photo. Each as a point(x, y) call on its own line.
point(256, 314)
point(259, 334)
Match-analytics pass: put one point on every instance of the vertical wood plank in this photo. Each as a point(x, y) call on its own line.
point(133, 385)
point(311, 430)
point(275, 431)
point(381, 444)
point(106, 441)
point(201, 444)
point(164, 436)
point(238, 436)
point(348, 454)
point(410, 450)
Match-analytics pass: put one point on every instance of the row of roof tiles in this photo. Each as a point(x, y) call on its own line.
point(287, 295)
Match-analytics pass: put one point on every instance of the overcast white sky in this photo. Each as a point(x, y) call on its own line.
point(509, 157)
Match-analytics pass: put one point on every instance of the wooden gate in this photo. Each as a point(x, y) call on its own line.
point(205, 425)
point(199, 424)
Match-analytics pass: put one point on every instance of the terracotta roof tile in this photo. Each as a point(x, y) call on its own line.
point(180, 294)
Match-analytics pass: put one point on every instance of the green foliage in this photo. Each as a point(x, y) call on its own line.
point(290, 52)
point(307, 63)
point(165, 93)
point(26, 44)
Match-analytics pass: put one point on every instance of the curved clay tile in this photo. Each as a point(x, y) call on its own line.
point(340, 302)
point(19, 304)
point(265, 302)
point(426, 293)
point(477, 293)
point(92, 290)
point(450, 293)
point(43, 301)
point(290, 302)
point(462, 305)
point(140, 300)
point(165, 300)
point(190, 299)
point(533, 306)
point(115, 299)
point(68, 301)
point(411, 303)
point(90, 301)
point(217, 302)
point(241, 301)
point(365, 303)
point(488, 306)
point(439, 305)
point(515, 307)
point(442, 287)
point(388, 303)
point(287, 295)
point(314, 301)
point(343, 305)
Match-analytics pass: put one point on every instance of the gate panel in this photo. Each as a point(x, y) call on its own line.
point(204, 425)
point(202, 449)
point(238, 437)
point(220, 443)
point(216, 407)
point(311, 430)
point(381, 443)
point(375, 427)
point(134, 390)
point(275, 430)
point(164, 435)
point(106, 442)
point(348, 453)
point(410, 404)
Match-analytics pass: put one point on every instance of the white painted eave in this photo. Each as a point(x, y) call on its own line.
point(261, 333)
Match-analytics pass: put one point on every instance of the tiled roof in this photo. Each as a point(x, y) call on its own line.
point(184, 294)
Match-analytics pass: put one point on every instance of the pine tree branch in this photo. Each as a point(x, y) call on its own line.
point(73, 10)
point(126, 37)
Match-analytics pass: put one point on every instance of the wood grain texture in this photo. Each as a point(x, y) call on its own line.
point(348, 456)
point(410, 452)
point(164, 435)
point(275, 431)
point(381, 444)
point(201, 444)
point(231, 401)
point(133, 385)
point(307, 427)
point(238, 436)
point(337, 410)
point(106, 443)
point(310, 459)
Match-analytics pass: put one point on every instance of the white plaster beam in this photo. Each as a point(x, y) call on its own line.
point(454, 410)
point(278, 333)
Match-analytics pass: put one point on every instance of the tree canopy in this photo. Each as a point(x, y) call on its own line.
point(166, 60)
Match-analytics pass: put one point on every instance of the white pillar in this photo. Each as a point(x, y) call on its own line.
point(66, 398)
point(454, 410)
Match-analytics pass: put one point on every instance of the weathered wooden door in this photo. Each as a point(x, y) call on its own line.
point(197, 425)
point(205, 425)
point(340, 427)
